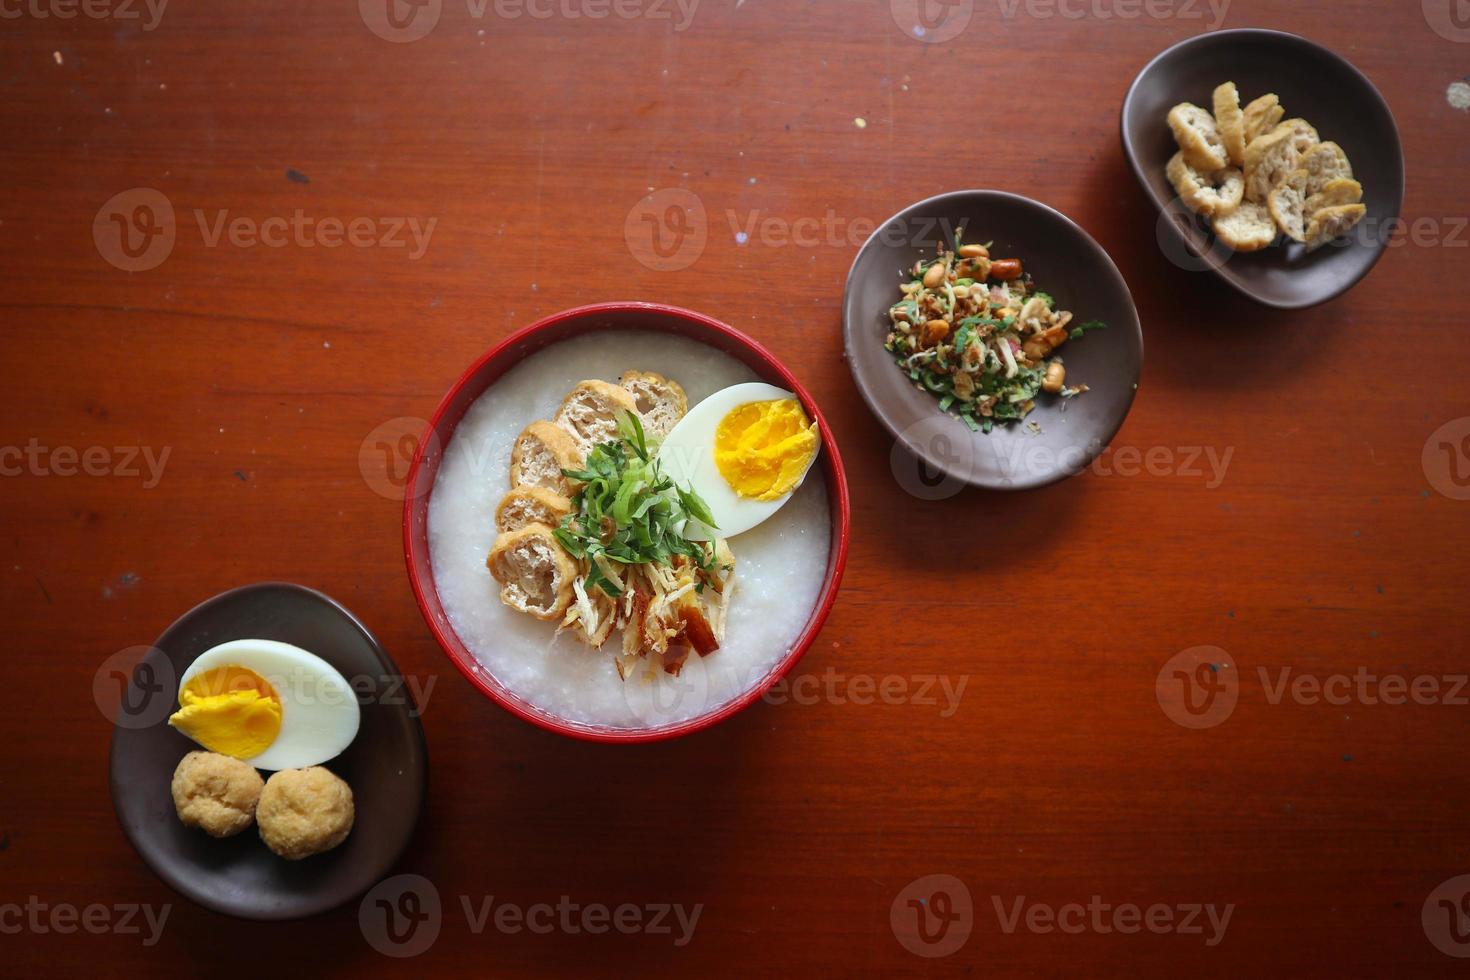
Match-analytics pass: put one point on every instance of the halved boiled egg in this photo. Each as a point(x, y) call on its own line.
point(744, 450)
point(270, 704)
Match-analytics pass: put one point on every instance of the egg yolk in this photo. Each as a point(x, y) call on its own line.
point(763, 449)
point(230, 710)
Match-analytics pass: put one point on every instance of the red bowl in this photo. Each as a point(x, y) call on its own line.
point(500, 359)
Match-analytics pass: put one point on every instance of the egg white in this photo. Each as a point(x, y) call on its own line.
point(319, 710)
point(687, 455)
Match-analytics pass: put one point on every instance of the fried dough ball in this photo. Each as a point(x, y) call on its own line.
point(304, 812)
point(216, 793)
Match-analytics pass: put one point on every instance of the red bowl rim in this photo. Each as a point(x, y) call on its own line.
point(415, 547)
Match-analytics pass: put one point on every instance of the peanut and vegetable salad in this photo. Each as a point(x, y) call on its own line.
point(977, 333)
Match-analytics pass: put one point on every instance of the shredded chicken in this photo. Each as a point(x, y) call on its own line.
point(664, 612)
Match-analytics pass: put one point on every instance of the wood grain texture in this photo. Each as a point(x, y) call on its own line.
point(262, 370)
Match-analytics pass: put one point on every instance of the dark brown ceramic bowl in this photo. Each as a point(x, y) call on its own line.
point(1314, 84)
point(1065, 262)
point(386, 765)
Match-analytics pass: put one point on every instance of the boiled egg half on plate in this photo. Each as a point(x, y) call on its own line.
point(744, 450)
point(269, 704)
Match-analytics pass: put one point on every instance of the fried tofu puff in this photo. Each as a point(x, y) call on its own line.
point(304, 812)
point(216, 793)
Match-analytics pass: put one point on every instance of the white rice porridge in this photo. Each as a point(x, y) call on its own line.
point(780, 568)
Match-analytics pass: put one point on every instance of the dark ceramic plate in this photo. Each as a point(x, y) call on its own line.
point(1313, 84)
point(386, 765)
point(1065, 262)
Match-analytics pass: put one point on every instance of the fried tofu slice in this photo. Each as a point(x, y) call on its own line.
point(660, 401)
point(1231, 122)
point(540, 453)
point(1248, 228)
point(590, 412)
point(1198, 137)
point(534, 571)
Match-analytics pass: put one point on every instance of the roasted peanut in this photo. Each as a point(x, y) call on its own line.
point(974, 252)
point(935, 331)
point(1054, 337)
point(934, 276)
point(975, 268)
point(1005, 269)
point(1056, 376)
point(1039, 345)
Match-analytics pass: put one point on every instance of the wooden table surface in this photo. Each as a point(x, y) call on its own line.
point(1268, 496)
